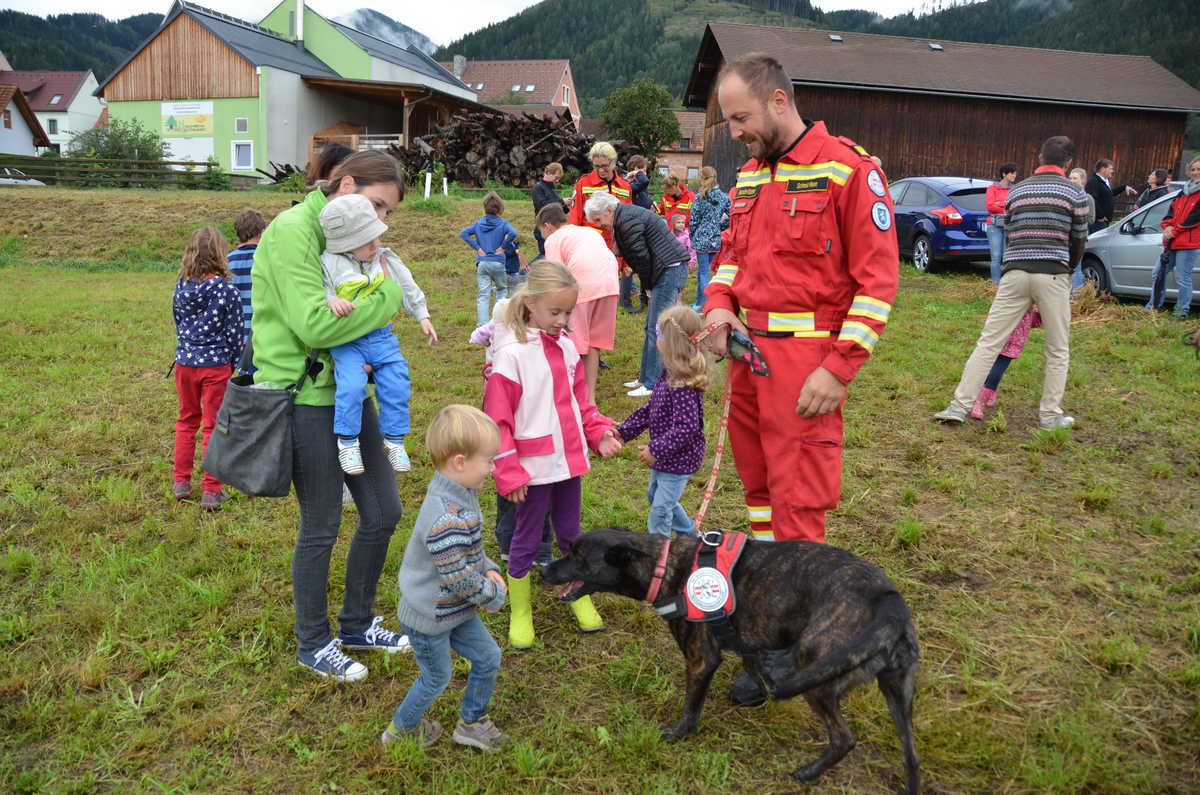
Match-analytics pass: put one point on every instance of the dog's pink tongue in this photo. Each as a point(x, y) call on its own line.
point(570, 588)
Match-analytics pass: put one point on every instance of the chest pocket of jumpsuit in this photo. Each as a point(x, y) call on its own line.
point(740, 213)
point(805, 223)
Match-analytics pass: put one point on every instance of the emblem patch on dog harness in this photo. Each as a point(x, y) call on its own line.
point(707, 589)
point(882, 216)
point(875, 183)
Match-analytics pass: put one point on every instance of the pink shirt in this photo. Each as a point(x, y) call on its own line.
point(583, 251)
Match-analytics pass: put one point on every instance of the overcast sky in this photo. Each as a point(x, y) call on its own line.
point(442, 21)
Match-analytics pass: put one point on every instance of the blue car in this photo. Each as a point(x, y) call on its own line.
point(939, 219)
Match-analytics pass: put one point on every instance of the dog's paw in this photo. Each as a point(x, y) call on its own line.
point(810, 772)
point(676, 731)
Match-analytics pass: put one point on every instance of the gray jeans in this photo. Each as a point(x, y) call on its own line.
point(318, 479)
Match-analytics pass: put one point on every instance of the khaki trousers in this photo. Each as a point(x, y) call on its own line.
point(1018, 291)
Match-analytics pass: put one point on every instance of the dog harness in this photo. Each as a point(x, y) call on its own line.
point(709, 596)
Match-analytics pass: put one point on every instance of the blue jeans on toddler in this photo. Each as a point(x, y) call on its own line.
point(489, 275)
point(667, 516)
point(381, 350)
point(471, 640)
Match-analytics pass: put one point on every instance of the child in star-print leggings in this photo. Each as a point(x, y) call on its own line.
point(208, 324)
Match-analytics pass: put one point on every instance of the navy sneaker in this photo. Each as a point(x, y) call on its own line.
point(377, 637)
point(330, 663)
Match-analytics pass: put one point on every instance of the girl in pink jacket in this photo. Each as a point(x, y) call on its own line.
point(538, 396)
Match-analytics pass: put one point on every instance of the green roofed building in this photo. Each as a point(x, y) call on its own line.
point(246, 94)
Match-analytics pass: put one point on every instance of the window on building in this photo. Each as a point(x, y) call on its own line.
point(693, 172)
point(243, 155)
point(529, 87)
point(479, 86)
point(8, 119)
point(241, 125)
point(663, 171)
point(566, 95)
point(52, 126)
point(516, 87)
point(685, 143)
point(57, 98)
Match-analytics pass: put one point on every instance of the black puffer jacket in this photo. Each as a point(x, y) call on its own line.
point(645, 243)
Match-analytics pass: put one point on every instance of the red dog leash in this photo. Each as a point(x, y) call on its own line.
point(710, 487)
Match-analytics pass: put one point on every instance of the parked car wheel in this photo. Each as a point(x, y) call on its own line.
point(1093, 273)
point(922, 254)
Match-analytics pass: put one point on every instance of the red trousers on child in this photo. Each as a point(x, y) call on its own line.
point(201, 390)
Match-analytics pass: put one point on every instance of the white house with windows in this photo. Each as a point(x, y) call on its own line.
point(63, 102)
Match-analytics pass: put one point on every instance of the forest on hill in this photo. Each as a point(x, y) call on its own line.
point(72, 41)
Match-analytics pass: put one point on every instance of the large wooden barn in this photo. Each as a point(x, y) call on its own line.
point(952, 108)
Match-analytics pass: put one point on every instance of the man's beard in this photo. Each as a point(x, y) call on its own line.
point(767, 146)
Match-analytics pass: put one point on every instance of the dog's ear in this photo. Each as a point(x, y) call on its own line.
point(620, 556)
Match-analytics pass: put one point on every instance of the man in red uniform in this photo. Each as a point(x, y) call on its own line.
point(604, 176)
point(677, 200)
point(809, 268)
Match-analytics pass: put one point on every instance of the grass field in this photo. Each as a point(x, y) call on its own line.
point(1054, 578)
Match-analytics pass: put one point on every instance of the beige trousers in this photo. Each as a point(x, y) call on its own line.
point(1018, 291)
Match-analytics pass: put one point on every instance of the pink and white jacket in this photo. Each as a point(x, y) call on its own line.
point(538, 396)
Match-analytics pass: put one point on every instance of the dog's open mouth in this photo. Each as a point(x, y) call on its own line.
point(571, 591)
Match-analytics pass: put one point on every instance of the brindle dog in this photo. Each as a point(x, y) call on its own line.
point(841, 617)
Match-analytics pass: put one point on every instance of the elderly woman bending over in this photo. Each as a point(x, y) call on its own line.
point(642, 239)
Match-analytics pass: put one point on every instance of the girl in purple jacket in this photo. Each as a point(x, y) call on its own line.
point(675, 417)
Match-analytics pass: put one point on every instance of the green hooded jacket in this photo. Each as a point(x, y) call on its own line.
point(290, 314)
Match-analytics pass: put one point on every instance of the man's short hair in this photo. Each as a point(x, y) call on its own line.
point(636, 161)
point(762, 74)
point(459, 429)
point(552, 214)
point(553, 169)
point(1102, 163)
point(248, 225)
point(1008, 168)
point(1162, 175)
point(1058, 150)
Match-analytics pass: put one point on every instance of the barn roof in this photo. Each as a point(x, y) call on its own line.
point(257, 45)
point(991, 71)
point(41, 86)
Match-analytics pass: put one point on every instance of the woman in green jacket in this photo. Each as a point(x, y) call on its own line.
point(290, 319)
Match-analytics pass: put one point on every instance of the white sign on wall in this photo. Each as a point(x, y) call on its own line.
point(187, 118)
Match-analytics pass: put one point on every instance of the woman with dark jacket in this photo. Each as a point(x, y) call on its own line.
point(710, 217)
point(641, 237)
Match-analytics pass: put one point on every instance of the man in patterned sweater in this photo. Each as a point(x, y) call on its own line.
point(1046, 230)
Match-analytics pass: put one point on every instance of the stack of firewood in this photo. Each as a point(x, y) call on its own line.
point(479, 147)
point(279, 171)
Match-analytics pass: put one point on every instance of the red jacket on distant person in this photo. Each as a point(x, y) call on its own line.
point(1186, 237)
point(671, 206)
point(994, 199)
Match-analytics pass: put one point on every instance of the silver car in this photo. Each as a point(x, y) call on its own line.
point(1121, 258)
point(13, 176)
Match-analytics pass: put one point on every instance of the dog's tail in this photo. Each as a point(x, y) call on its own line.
point(891, 617)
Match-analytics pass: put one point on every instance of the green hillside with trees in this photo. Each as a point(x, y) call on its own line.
point(72, 41)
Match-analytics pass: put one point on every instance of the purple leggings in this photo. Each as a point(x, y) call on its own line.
point(563, 502)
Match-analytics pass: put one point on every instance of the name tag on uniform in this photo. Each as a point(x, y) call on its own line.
point(747, 192)
point(806, 185)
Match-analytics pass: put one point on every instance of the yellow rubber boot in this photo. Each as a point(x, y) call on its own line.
point(585, 613)
point(520, 619)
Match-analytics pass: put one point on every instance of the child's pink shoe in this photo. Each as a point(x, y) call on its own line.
point(977, 409)
point(988, 396)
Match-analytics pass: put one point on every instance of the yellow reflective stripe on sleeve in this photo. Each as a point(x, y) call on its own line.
point(725, 275)
point(620, 192)
point(684, 205)
point(760, 177)
point(763, 535)
point(864, 335)
point(870, 307)
point(838, 172)
point(759, 513)
point(791, 321)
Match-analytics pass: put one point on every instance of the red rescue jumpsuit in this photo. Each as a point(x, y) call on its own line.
point(670, 206)
point(810, 264)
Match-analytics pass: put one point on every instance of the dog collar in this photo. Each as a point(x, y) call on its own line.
point(660, 571)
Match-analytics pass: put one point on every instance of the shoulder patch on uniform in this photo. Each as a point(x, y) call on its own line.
point(875, 183)
point(881, 215)
point(857, 149)
point(746, 191)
